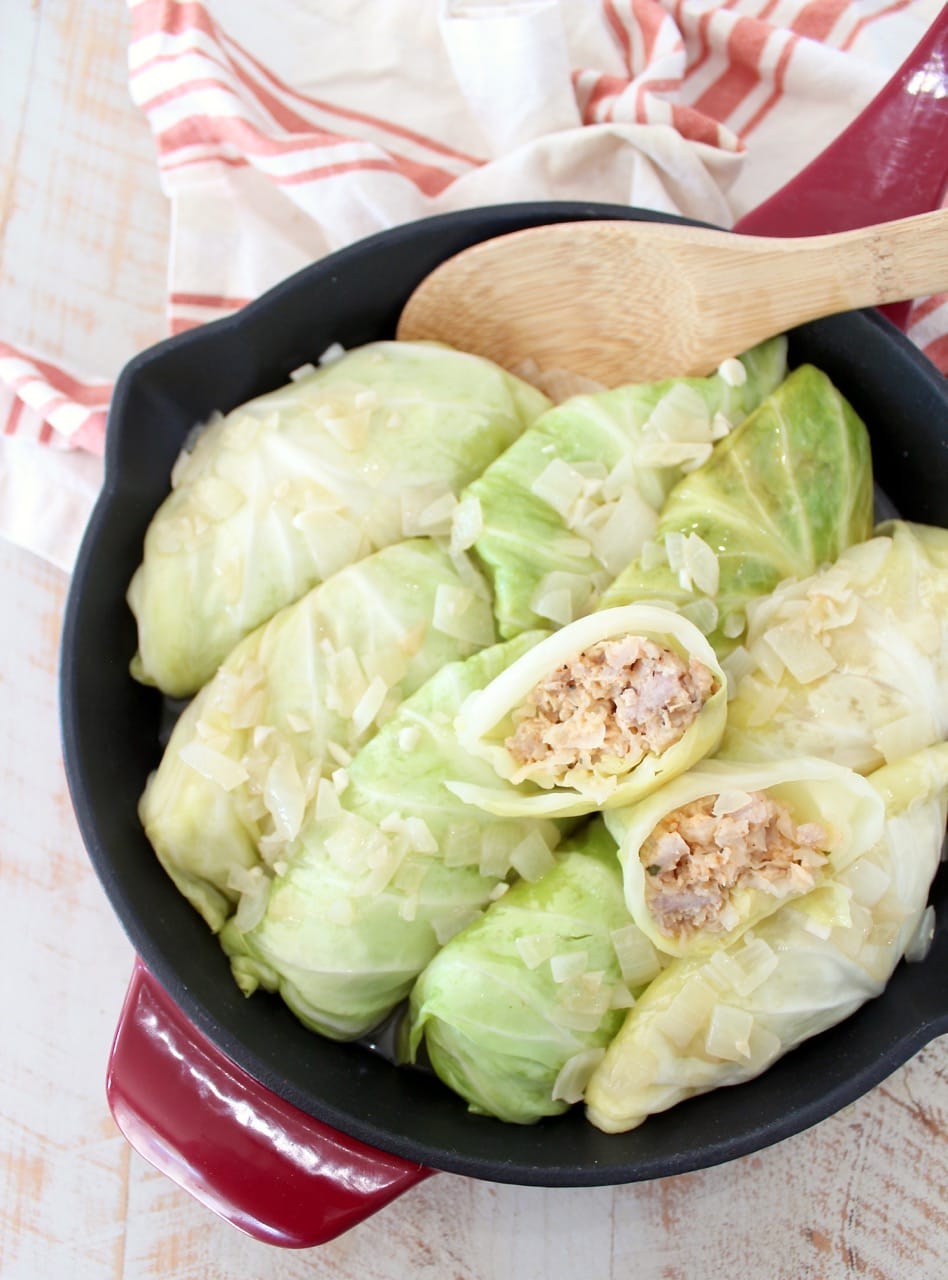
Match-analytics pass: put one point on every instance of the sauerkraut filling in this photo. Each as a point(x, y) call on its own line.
point(606, 709)
point(700, 854)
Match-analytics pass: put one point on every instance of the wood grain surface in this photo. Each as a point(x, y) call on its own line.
point(81, 276)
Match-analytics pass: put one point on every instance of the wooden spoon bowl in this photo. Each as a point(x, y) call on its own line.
point(622, 302)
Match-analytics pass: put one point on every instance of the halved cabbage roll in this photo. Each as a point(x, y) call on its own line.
point(850, 664)
point(291, 704)
point(596, 715)
point(516, 1010)
point(721, 1019)
point(780, 497)
point(568, 506)
point(286, 490)
point(386, 868)
point(716, 851)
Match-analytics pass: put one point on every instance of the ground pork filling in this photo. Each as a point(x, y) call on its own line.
point(699, 854)
point(606, 709)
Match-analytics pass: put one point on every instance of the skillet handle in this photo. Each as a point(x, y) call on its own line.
point(278, 1174)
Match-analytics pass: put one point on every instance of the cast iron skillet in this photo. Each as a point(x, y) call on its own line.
point(110, 734)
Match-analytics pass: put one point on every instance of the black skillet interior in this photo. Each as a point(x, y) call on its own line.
point(110, 734)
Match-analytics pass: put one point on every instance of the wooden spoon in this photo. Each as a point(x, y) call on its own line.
point(637, 301)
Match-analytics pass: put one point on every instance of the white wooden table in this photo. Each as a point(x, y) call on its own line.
point(82, 277)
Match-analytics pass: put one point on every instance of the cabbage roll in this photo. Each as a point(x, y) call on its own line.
point(596, 715)
point(292, 703)
point(720, 1019)
point(286, 490)
point(718, 850)
point(569, 505)
point(386, 868)
point(781, 496)
point(850, 664)
point(517, 1008)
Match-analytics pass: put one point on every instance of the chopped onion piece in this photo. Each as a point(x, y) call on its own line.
point(729, 1033)
point(419, 836)
point(284, 795)
point(534, 948)
point(734, 624)
point(732, 372)
point(701, 563)
point(467, 523)
point(369, 705)
point(220, 769)
point(550, 595)
point(340, 780)
point(304, 371)
point(568, 964)
point(757, 961)
point(327, 801)
point(652, 555)
point(867, 880)
point(638, 960)
point(335, 351)
point(437, 518)
point(681, 414)
point(559, 486)
point(675, 551)
point(532, 859)
point(494, 859)
point(570, 1084)
point(498, 890)
point(720, 426)
point(629, 524)
point(803, 656)
point(921, 940)
point(339, 753)
point(687, 1013)
point(622, 997)
point(409, 737)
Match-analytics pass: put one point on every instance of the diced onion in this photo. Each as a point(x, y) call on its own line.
point(559, 486)
point(732, 372)
point(534, 948)
point(573, 1077)
point(409, 737)
point(532, 859)
point(284, 795)
point(681, 414)
point(467, 523)
point(701, 562)
point(757, 961)
point(327, 801)
point(729, 1033)
point(555, 605)
point(335, 351)
point(867, 880)
point(369, 705)
point(227, 773)
point(638, 959)
point(304, 371)
point(803, 656)
point(254, 896)
point(702, 612)
point(687, 1013)
point(568, 964)
point(619, 540)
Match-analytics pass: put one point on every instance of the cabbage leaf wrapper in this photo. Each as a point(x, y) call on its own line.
point(595, 716)
point(724, 846)
point(517, 1008)
point(850, 664)
point(387, 870)
point(291, 487)
point(722, 1019)
point(568, 506)
point(292, 703)
point(784, 494)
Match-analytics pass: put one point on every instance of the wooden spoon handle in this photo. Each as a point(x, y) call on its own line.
point(862, 268)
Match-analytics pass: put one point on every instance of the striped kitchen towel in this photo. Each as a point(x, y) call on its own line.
point(286, 131)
